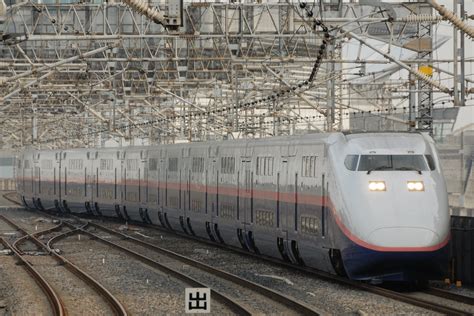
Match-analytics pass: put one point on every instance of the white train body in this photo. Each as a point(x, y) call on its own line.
point(370, 206)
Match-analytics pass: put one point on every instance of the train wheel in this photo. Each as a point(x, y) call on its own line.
point(87, 205)
point(147, 217)
point(57, 207)
point(240, 236)
point(125, 214)
point(97, 209)
point(296, 252)
point(183, 227)
point(160, 219)
point(336, 261)
point(190, 227)
point(281, 248)
point(117, 211)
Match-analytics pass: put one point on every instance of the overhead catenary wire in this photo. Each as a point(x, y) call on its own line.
point(271, 98)
point(139, 5)
point(244, 104)
point(380, 113)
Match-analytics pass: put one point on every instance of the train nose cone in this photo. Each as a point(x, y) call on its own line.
point(404, 237)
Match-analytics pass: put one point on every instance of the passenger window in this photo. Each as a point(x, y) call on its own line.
point(106, 164)
point(132, 164)
point(264, 166)
point(228, 165)
point(198, 165)
point(173, 164)
point(153, 164)
point(308, 166)
point(351, 162)
point(431, 162)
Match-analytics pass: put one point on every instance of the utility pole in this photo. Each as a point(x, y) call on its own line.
point(461, 53)
point(455, 57)
point(412, 102)
point(424, 117)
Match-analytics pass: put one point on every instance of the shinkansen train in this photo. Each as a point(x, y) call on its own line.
point(370, 206)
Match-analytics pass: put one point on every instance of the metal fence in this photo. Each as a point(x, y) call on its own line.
point(462, 252)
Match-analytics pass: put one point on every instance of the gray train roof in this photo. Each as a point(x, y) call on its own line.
point(299, 139)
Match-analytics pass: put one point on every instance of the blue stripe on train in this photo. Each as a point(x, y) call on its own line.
point(364, 264)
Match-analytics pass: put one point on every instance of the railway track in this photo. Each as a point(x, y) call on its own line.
point(460, 302)
point(251, 291)
point(395, 295)
point(57, 306)
point(450, 296)
point(54, 270)
point(12, 197)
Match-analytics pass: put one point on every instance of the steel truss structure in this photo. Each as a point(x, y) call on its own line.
point(85, 74)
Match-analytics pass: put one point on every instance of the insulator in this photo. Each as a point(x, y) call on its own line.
point(451, 17)
point(142, 7)
point(3, 8)
point(420, 18)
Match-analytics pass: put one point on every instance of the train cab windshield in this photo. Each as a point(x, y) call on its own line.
point(389, 162)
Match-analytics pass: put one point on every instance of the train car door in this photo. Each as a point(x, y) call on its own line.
point(57, 179)
point(36, 175)
point(121, 186)
point(62, 158)
point(89, 181)
point(184, 178)
point(245, 206)
point(96, 181)
point(212, 192)
point(287, 200)
point(143, 186)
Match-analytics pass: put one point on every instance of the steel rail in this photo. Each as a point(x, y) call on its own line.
point(55, 302)
point(236, 307)
point(11, 199)
point(265, 291)
point(450, 296)
point(113, 302)
point(36, 234)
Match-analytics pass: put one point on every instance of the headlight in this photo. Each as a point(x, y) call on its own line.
point(415, 186)
point(377, 186)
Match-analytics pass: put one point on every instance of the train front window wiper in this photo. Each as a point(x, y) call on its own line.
point(378, 168)
point(409, 168)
